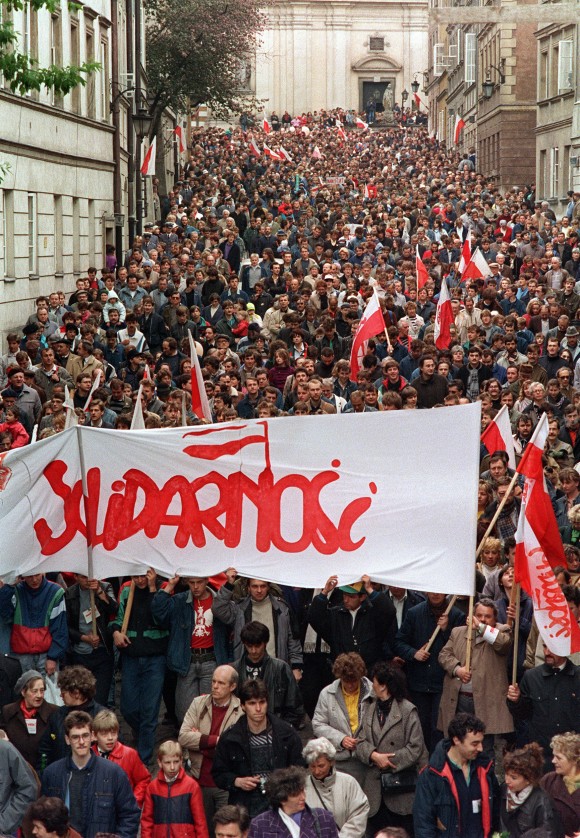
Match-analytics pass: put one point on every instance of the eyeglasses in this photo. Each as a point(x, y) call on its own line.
point(79, 737)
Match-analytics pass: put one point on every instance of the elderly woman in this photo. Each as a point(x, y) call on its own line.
point(391, 742)
point(289, 811)
point(563, 784)
point(25, 720)
point(339, 711)
point(48, 817)
point(334, 791)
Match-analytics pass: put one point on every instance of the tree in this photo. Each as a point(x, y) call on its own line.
point(21, 71)
point(197, 50)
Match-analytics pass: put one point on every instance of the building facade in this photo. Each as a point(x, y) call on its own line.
point(558, 117)
point(338, 53)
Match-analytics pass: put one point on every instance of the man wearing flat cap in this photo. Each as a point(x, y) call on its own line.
point(364, 623)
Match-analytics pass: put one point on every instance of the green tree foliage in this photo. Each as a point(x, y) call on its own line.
point(196, 50)
point(21, 71)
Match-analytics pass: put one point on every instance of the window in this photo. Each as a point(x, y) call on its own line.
point(438, 59)
point(565, 65)
point(56, 52)
point(75, 56)
point(553, 90)
point(470, 57)
point(441, 126)
point(566, 170)
point(76, 237)
point(91, 222)
point(58, 234)
point(376, 44)
point(554, 172)
point(543, 92)
point(8, 233)
point(90, 56)
point(105, 82)
point(32, 237)
point(543, 171)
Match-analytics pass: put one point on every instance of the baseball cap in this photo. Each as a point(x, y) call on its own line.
point(355, 588)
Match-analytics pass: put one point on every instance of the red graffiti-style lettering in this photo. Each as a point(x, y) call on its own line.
point(550, 596)
point(137, 504)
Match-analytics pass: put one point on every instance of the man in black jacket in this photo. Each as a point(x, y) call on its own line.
point(364, 623)
point(547, 698)
point(252, 748)
point(284, 699)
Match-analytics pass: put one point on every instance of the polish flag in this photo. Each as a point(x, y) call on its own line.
point(254, 148)
point(266, 125)
point(272, 154)
point(459, 126)
point(539, 550)
point(199, 400)
point(340, 130)
point(418, 101)
point(465, 252)
point(498, 435)
point(477, 267)
point(285, 154)
point(179, 135)
point(444, 319)
point(148, 167)
point(422, 272)
point(316, 155)
point(371, 324)
point(360, 123)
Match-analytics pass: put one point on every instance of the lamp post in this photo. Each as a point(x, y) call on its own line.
point(488, 86)
point(415, 84)
point(404, 96)
point(141, 121)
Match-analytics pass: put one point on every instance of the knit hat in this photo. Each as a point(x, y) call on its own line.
point(25, 678)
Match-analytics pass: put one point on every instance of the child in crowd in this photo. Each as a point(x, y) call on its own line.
point(173, 805)
point(105, 728)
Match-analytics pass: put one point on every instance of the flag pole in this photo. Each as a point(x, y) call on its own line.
point(128, 608)
point(469, 634)
point(89, 528)
point(431, 640)
point(518, 588)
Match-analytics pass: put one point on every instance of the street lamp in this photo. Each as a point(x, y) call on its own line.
point(141, 122)
point(488, 86)
point(415, 84)
point(404, 96)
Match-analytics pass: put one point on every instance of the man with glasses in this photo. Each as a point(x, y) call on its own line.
point(96, 791)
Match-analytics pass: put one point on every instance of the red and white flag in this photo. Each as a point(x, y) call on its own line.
point(285, 154)
point(254, 148)
point(371, 324)
point(266, 125)
point(498, 435)
point(477, 267)
point(422, 272)
point(465, 252)
point(316, 154)
point(444, 319)
point(459, 126)
point(370, 191)
point(418, 101)
point(360, 123)
point(340, 130)
point(148, 167)
point(179, 135)
point(273, 155)
point(199, 399)
point(539, 550)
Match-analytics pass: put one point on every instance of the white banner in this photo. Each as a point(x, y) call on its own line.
point(390, 494)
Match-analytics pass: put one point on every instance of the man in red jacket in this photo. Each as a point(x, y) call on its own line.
point(173, 806)
point(105, 729)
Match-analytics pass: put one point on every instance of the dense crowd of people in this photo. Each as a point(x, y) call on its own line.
point(266, 253)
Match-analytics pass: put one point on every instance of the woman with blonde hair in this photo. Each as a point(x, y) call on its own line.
point(563, 784)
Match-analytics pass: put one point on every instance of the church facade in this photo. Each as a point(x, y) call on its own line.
point(339, 53)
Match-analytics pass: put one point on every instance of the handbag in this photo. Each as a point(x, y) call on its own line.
point(399, 782)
